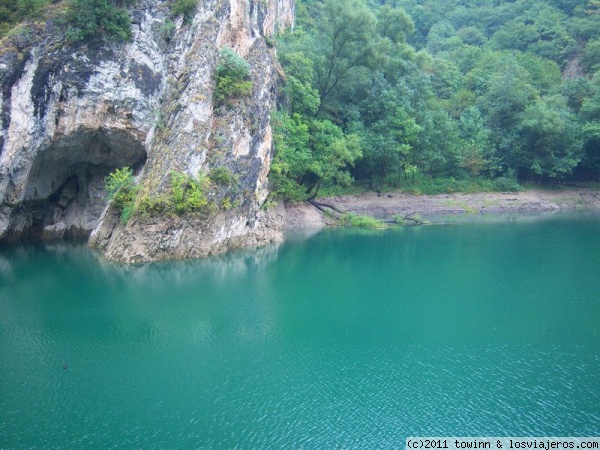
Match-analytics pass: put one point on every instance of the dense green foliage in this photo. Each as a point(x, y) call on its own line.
point(232, 76)
point(185, 195)
point(454, 90)
point(85, 19)
point(89, 19)
point(8, 15)
point(121, 190)
point(14, 11)
point(188, 194)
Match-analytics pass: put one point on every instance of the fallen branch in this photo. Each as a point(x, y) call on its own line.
point(321, 206)
point(415, 220)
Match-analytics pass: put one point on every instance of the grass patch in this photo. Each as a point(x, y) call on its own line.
point(361, 221)
point(462, 205)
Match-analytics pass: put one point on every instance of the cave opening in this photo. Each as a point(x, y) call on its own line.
point(65, 195)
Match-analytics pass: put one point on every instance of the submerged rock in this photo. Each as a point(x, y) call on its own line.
point(71, 114)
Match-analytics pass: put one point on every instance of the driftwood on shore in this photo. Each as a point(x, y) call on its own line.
point(414, 220)
point(328, 208)
point(321, 207)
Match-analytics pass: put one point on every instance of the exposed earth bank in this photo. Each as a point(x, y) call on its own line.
point(439, 208)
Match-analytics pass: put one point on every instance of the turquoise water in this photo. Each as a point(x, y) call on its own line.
point(345, 339)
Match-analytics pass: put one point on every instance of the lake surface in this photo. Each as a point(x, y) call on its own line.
point(346, 339)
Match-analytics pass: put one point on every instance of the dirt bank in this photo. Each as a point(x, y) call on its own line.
point(435, 208)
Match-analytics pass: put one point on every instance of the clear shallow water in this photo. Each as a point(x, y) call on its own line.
point(347, 339)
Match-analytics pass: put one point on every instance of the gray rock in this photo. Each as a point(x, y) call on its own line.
point(71, 114)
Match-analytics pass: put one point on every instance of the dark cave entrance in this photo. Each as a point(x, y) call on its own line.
point(65, 194)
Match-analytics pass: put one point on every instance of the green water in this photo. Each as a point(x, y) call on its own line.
point(345, 339)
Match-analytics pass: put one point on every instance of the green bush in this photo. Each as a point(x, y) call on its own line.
point(232, 76)
point(185, 8)
point(506, 184)
point(89, 19)
point(8, 16)
point(30, 8)
point(399, 219)
point(228, 88)
point(121, 190)
point(361, 221)
point(148, 206)
point(167, 30)
point(12, 12)
point(222, 176)
point(188, 194)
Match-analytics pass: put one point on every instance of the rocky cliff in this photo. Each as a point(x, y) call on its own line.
point(71, 114)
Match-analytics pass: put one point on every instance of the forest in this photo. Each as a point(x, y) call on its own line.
point(434, 96)
point(424, 95)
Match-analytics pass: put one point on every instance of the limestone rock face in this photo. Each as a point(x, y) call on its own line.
point(72, 114)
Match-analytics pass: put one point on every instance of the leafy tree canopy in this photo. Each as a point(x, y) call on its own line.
point(459, 88)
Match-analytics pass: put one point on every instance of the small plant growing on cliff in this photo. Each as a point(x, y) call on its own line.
point(121, 190)
point(188, 194)
point(167, 30)
point(222, 176)
point(233, 76)
point(185, 8)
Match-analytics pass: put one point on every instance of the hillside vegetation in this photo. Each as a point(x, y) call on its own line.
point(438, 96)
point(427, 95)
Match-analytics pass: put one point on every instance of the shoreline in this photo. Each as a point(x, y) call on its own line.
point(437, 208)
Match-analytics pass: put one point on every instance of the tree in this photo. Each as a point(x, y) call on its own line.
point(333, 153)
point(8, 15)
point(593, 7)
point(387, 132)
point(540, 29)
point(344, 42)
point(475, 150)
point(302, 97)
point(472, 36)
point(550, 139)
point(394, 24)
point(292, 156)
point(576, 91)
point(442, 37)
point(484, 100)
point(589, 117)
point(506, 94)
point(309, 154)
point(591, 56)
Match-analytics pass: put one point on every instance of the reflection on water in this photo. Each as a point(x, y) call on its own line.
point(345, 338)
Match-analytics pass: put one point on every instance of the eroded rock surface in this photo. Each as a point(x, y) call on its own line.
point(73, 114)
